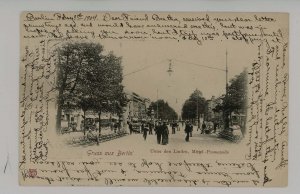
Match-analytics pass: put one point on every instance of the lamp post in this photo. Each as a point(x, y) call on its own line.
point(170, 70)
point(198, 121)
point(226, 71)
point(157, 104)
point(226, 115)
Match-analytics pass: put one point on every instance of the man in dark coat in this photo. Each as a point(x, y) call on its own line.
point(130, 126)
point(144, 130)
point(216, 125)
point(151, 125)
point(158, 130)
point(188, 130)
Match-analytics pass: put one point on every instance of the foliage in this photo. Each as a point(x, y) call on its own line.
point(235, 100)
point(189, 109)
point(106, 79)
point(165, 112)
point(88, 79)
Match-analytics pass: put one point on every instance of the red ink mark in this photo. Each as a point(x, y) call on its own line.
point(32, 173)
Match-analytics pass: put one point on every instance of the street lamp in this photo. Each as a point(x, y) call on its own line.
point(170, 70)
point(157, 104)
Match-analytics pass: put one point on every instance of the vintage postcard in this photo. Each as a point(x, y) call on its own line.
point(154, 99)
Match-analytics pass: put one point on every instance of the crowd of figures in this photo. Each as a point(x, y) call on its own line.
point(161, 129)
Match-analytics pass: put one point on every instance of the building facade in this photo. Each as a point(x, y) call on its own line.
point(73, 119)
point(137, 107)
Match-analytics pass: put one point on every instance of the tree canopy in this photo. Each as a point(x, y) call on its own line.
point(165, 112)
point(236, 98)
point(195, 102)
point(88, 79)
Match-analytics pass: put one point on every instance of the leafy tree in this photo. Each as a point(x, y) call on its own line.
point(106, 79)
point(87, 79)
point(165, 112)
point(196, 102)
point(73, 61)
point(236, 98)
point(237, 94)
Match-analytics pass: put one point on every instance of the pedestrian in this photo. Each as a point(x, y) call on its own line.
point(116, 126)
point(158, 130)
point(144, 130)
point(215, 126)
point(129, 126)
point(173, 127)
point(165, 134)
point(112, 125)
point(191, 130)
point(119, 126)
point(177, 126)
point(81, 125)
point(151, 125)
point(203, 127)
point(187, 130)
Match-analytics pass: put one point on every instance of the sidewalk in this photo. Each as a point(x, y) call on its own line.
point(78, 139)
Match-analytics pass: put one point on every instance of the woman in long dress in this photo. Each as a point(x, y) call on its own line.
point(165, 134)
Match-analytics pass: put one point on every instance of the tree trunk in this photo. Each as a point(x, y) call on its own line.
point(58, 119)
point(60, 103)
point(99, 128)
point(61, 77)
point(226, 119)
point(84, 122)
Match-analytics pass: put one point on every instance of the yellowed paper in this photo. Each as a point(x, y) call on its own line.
point(79, 68)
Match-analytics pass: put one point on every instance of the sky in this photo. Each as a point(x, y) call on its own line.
point(153, 57)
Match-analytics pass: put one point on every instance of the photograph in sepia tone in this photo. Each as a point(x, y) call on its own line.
point(94, 105)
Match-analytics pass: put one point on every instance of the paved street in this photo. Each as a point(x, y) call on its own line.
point(136, 141)
point(142, 148)
point(177, 140)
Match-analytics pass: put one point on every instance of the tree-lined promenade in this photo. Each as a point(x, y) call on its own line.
point(88, 79)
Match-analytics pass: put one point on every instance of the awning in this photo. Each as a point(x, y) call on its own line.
point(91, 116)
point(114, 117)
point(96, 116)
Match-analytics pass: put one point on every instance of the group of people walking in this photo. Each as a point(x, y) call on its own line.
point(161, 130)
point(188, 130)
point(145, 127)
point(162, 133)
